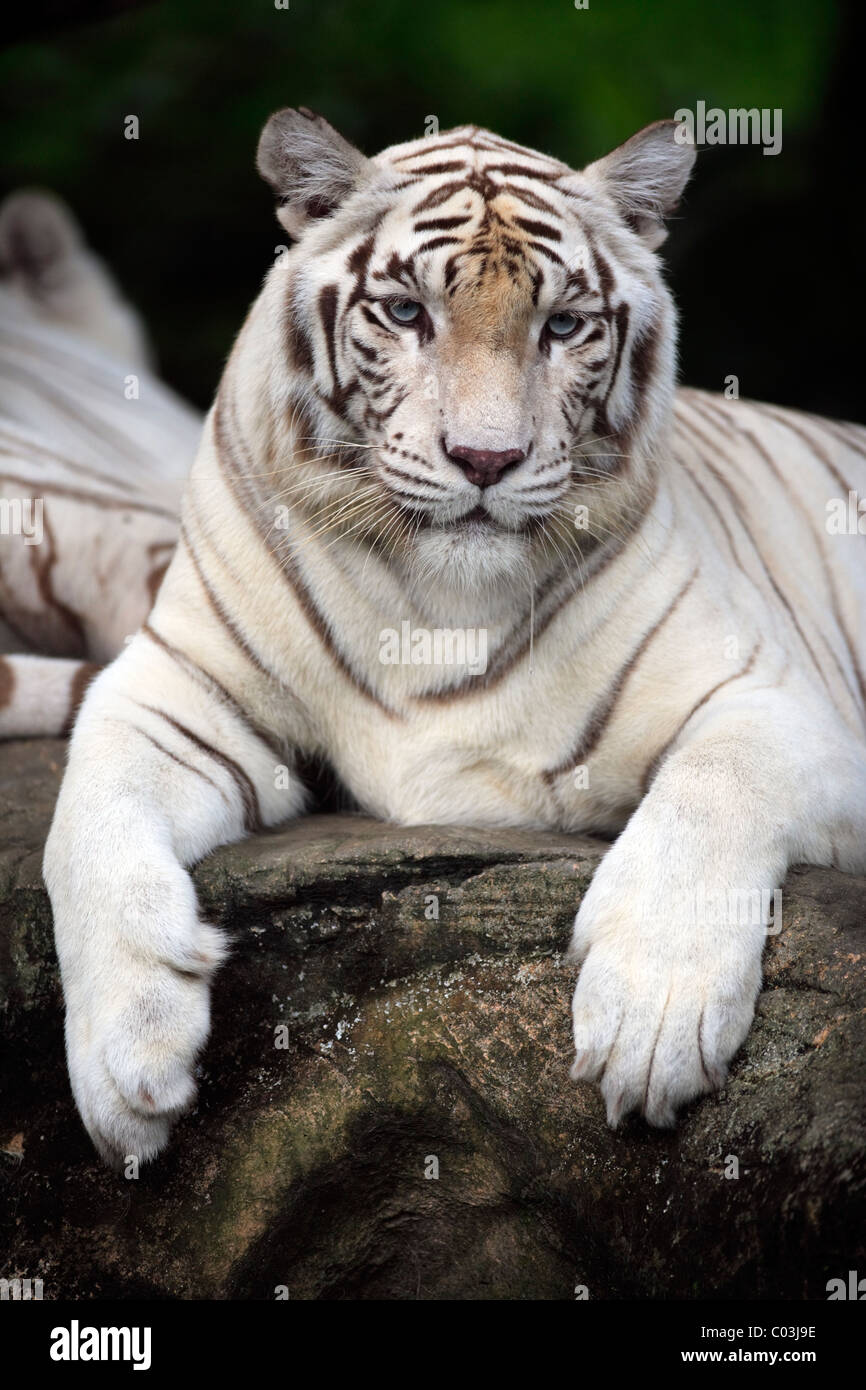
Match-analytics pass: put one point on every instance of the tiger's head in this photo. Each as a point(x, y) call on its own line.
point(475, 344)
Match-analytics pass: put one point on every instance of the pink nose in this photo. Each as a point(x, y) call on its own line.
point(484, 467)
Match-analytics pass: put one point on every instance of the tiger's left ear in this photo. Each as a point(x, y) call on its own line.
point(645, 178)
point(309, 165)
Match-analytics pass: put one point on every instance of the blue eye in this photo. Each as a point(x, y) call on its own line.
point(562, 325)
point(403, 310)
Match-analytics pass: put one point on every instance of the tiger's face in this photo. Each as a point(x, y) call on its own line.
point(480, 340)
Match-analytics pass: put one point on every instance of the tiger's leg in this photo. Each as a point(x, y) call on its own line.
point(39, 695)
point(671, 931)
point(161, 770)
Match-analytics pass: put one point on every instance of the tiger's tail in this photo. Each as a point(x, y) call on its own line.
point(40, 695)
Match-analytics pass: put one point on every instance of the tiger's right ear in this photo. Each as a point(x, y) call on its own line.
point(309, 165)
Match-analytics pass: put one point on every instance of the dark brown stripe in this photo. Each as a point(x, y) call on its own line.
point(662, 753)
point(288, 566)
point(720, 414)
point(435, 242)
point(7, 682)
point(737, 506)
point(642, 365)
point(441, 224)
point(818, 542)
point(86, 672)
point(43, 558)
point(298, 345)
point(328, 317)
point(621, 319)
point(374, 319)
point(222, 614)
point(497, 143)
point(521, 171)
point(190, 767)
point(546, 251)
point(246, 789)
point(713, 508)
point(849, 435)
point(558, 591)
point(437, 143)
point(444, 167)
point(437, 196)
point(814, 448)
point(834, 602)
point(205, 678)
point(411, 478)
point(369, 354)
point(531, 199)
point(604, 708)
point(157, 573)
point(537, 229)
point(357, 266)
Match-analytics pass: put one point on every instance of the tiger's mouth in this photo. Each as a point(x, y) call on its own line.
point(478, 523)
point(483, 522)
point(479, 516)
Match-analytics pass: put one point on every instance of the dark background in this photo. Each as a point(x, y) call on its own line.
point(764, 260)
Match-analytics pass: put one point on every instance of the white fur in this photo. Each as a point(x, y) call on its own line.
point(768, 770)
point(95, 441)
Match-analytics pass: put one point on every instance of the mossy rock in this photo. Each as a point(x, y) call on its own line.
point(384, 1106)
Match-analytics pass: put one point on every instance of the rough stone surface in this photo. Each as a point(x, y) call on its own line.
point(410, 1038)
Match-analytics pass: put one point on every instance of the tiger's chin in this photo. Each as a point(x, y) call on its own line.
point(471, 555)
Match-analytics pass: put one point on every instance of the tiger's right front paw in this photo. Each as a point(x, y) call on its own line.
point(137, 1010)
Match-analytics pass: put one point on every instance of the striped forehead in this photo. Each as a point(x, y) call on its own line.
point(504, 182)
point(468, 148)
point(493, 214)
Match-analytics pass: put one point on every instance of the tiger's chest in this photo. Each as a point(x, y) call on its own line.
point(482, 766)
point(559, 735)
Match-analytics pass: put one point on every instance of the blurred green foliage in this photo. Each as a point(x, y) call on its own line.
point(184, 220)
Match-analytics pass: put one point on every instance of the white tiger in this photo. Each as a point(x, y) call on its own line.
point(451, 410)
point(93, 455)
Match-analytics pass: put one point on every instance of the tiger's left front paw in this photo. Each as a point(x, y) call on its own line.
point(661, 1005)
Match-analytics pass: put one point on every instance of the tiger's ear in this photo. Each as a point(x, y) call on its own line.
point(309, 165)
point(645, 178)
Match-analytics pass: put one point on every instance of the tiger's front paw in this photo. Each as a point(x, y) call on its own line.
point(663, 1000)
point(137, 1013)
